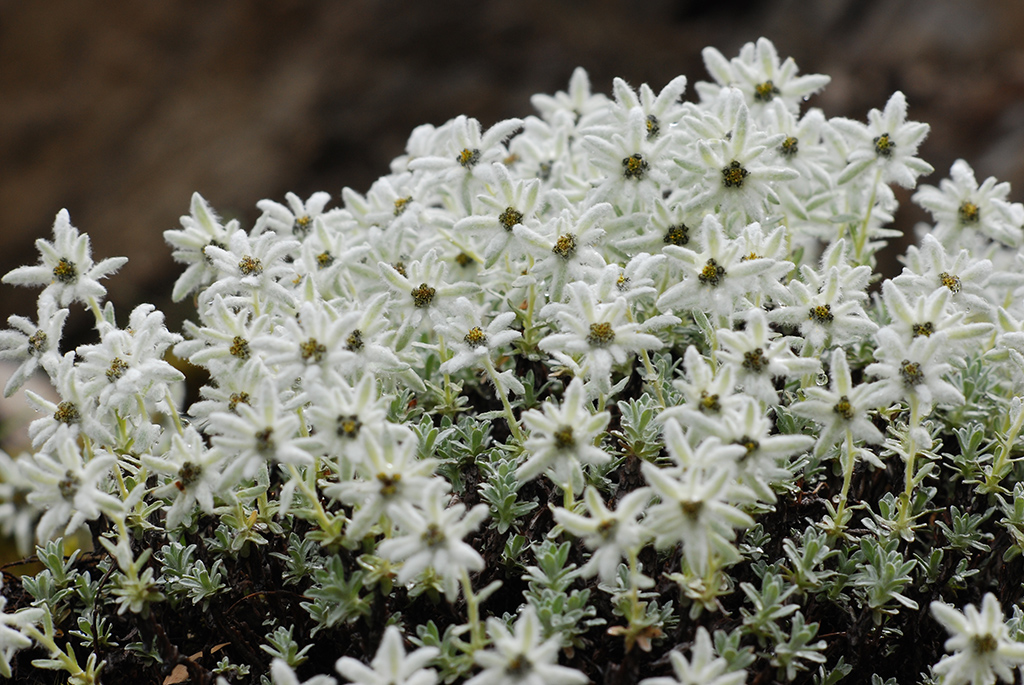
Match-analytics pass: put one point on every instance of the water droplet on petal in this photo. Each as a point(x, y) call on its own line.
point(822, 378)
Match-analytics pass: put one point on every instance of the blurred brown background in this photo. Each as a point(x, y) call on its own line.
point(120, 110)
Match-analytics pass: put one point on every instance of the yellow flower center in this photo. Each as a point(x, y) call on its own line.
point(677, 235)
point(401, 204)
point(510, 217)
point(734, 175)
point(565, 246)
point(468, 158)
point(67, 412)
point(821, 314)
point(475, 337)
point(117, 368)
point(789, 147)
point(926, 329)
point(884, 145)
point(564, 439)
point(911, 372)
point(653, 127)
point(389, 483)
point(324, 260)
point(844, 408)
point(950, 281)
point(635, 167)
point(311, 349)
point(423, 296)
point(302, 224)
point(250, 266)
point(711, 274)
point(65, 271)
point(765, 92)
point(239, 347)
point(601, 334)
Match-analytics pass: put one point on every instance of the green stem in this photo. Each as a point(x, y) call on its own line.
point(847, 462)
point(476, 628)
point(861, 239)
point(325, 521)
point(510, 417)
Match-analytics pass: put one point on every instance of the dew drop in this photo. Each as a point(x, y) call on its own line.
point(821, 379)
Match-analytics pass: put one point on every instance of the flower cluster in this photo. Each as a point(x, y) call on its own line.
point(630, 356)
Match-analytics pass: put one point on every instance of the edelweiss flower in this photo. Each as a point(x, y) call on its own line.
point(698, 501)
point(12, 636)
point(759, 359)
point(843, 408)
point(422, 287)
point(610, 535)
point(759, 75)
point(68, 488)
point(634, 165)
point(598, 331)
point(981, 642)
point(565, 251)
point(296, 219)
point(461, 150)
point(30, 345)
point(706, 394)
point(563, 436)
point(960, 205)
point(390, 474)
point(252, 267)
point(342, 415)
point(127, 365)
point(391, 665)
point(310, 345)
point(718, 278)
point(200, 229)
point(522, 658)
point(257, 433)
point(194, 473)
point(915, 369)
point(579, 103)
point(509, 203)
point(702, 668)
point(731, 173)
point(431, 537)
point(888, 142)
point(67, 271)
point(474, 343)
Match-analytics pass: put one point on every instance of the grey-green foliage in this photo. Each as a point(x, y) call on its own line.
point(831, 676)
point(94, 631)
point(729, 647)
point(974, 450)
point(769, 604)
point(806, 560)
point(790, 654)
point(301, 560)
point(563, 613)
point(281, 645)
point(500, 489)
point(964, 534)
point(335, 596)
point(183, 577)
point(1013, 520)
point(640, 434)
point(881, 576)
point(200, 584)
point(454, 660)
